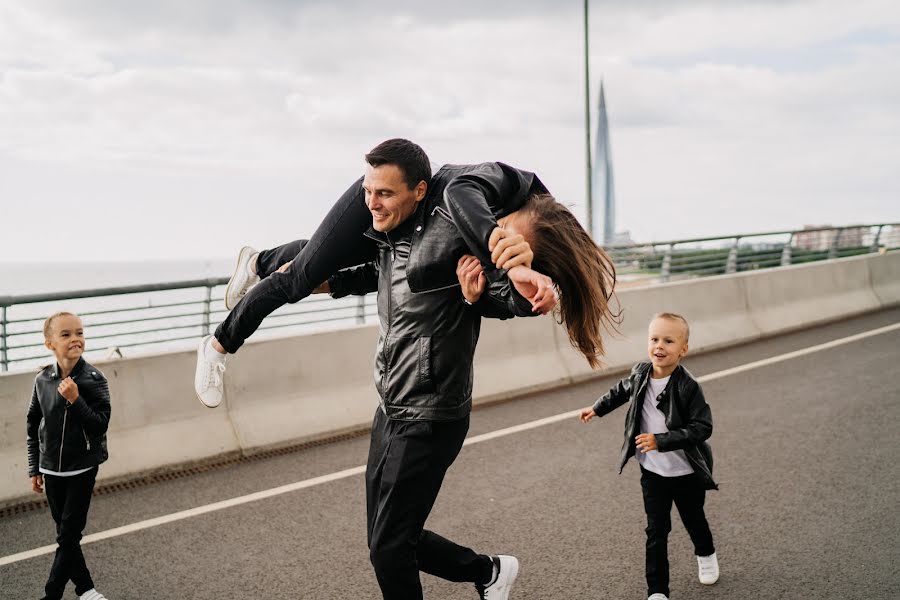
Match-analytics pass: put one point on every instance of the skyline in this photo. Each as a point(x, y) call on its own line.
point(166, 131)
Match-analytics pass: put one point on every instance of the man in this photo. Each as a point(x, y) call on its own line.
point(426, 345)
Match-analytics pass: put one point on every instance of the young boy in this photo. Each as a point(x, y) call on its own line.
point(668, 421)
point(67, 422)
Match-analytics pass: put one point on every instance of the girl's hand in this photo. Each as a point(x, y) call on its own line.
point(471, 278)
point(68, 389)
point(646, 442)
point(509, 250)
point(587, 414)
point(37, 484)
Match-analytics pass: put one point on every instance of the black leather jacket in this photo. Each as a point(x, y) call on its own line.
point(427, 335)
point(68, 437)
point(688, 417)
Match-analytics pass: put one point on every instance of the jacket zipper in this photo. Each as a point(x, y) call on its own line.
point(86, 440)
point(62, 442)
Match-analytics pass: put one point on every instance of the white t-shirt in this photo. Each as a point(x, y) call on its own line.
point(667, 464)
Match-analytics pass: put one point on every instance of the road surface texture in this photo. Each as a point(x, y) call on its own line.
point(807, 452)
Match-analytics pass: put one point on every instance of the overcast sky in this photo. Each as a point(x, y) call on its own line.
point(171, 129)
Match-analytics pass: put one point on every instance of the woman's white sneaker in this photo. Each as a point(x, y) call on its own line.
point(708, 569)
point(209, 378)
point(242, 279)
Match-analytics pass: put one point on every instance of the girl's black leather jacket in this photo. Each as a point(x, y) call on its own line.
point(68, 437)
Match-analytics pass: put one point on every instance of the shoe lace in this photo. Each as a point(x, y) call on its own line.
point(481, 591)
point(214, 374)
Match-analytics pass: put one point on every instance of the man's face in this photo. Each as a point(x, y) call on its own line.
point(389, 199)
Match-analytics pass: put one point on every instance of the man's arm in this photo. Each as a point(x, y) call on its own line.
point(356, 281)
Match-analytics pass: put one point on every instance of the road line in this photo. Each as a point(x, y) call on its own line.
point(308, 483)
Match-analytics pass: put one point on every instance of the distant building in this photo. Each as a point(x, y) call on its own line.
point(820, 241)
point(603, 192)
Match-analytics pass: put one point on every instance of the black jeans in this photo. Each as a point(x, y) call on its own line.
point(338, 243)
point(69, 499)
point(688, 494)
point(407, 463)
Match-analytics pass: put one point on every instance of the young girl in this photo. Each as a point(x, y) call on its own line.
point(67, 422)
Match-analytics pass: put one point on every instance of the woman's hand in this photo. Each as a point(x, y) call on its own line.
point(536, 287)
point(471, 278)
point(509, 250)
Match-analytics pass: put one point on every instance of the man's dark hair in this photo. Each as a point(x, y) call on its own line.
point(409, 157)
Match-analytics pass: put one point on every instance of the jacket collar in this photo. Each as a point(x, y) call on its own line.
point(77, 369)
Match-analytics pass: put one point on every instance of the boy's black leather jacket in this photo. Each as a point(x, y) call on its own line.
point(688, 417)
point(68, 437)
point(427, 335)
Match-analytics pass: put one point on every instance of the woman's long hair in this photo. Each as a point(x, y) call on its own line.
point(584, 274)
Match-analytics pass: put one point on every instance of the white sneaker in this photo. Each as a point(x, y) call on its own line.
point(242, 279)
point(708, 569)
point(92, 594)
point(658, 597)
point(209, 379)
point(507, 571)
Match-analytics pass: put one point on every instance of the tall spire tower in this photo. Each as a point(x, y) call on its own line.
point(604, 192)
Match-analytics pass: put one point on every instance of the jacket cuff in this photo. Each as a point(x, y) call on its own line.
point(597, 408)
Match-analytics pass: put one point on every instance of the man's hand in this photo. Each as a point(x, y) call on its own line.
point(646, 442)
point(587, 414)
point(537, 288)
point(68, 389)
point(37, 484)
point(471, 278)
point(509, 250)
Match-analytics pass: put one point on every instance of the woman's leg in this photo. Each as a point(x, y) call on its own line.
point(337, 243)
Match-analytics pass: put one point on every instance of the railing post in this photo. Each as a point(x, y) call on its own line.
point(874, 247)
point(833, 251)
point(786, 252)
point(206, 310)
point(667, 264)
point(731, 262)
point(4, 358)
point(360, 310)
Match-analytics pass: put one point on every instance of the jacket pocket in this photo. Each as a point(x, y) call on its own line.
point(407, 372)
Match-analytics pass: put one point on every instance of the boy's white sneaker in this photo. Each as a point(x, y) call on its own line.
point(507, 571)
point(92, 594)
point(658, 597)
point(209, 378)
point(708, 569)
point(242, 279)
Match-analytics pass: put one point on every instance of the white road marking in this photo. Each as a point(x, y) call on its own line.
point(307, 483)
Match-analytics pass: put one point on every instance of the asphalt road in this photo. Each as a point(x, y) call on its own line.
point(806, 457)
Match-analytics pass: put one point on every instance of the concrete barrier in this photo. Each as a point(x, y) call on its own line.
point(803, 295)
point(284, 391)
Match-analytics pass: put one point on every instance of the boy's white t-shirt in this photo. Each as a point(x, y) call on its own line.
point(667, 464)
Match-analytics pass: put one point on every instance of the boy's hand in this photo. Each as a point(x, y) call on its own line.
point(646, 442)
point(37, 484)
point(587, 414)
point(68, 389)
point(471, 278)
point(508, 250)
point(284, 268)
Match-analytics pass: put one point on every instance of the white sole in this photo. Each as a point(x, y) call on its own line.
point(241, 258)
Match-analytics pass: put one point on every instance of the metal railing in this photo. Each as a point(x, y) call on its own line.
point(164, 316)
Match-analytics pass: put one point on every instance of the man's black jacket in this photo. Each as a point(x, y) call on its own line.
point(688, 417)
point(68, 437)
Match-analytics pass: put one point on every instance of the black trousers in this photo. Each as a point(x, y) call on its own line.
point(69, 499)
point(338, 243)
point(407, 463)
point(689, 495)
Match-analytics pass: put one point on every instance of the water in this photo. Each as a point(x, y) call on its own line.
point(136, 324)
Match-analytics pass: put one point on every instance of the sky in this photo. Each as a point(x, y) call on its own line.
point(174, 130)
